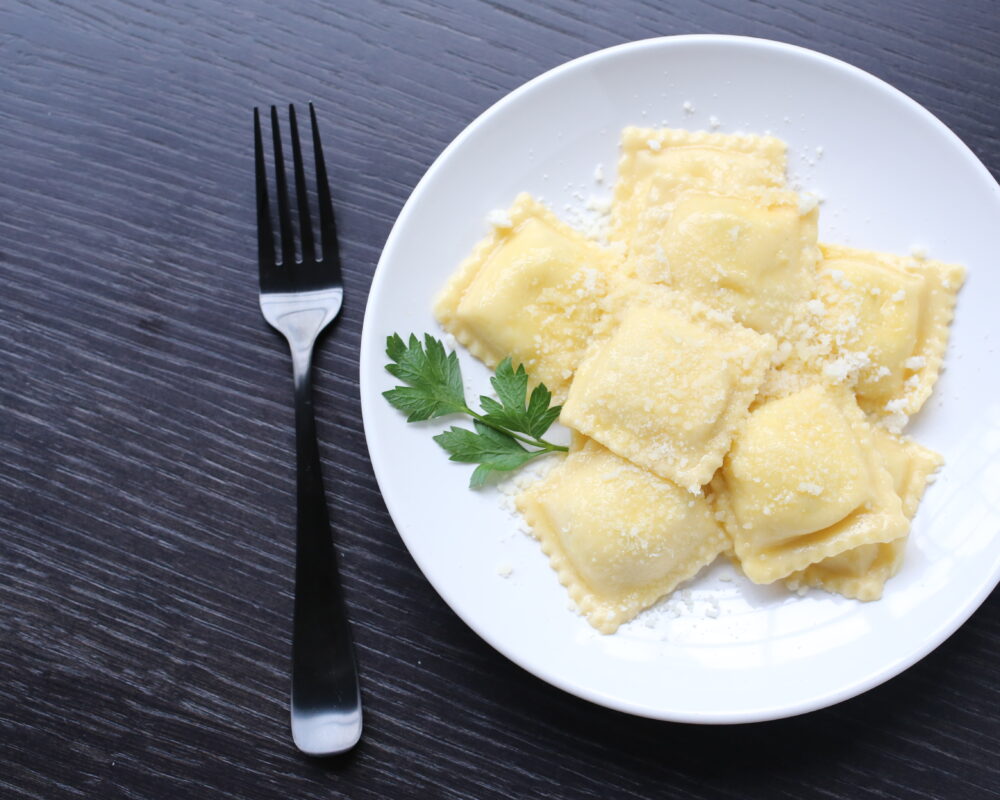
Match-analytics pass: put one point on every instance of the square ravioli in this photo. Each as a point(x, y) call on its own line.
point(751, 254)
point(861, 573)
point(804, 482)
point(888, 317)
point(667, 387)
point(657, 164)
point(531, 291)
point(618, 536)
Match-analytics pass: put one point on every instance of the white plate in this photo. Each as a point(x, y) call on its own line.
point(894, 177)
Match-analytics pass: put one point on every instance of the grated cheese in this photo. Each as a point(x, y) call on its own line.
point(499, 218)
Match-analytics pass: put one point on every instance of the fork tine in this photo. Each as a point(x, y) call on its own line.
point(328, 226)
point(301, 194)
point(281, 188)
point(265, 234)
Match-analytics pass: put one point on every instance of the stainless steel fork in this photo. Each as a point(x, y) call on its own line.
point(299, 298)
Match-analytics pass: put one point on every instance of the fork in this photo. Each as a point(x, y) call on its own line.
point(299, 298)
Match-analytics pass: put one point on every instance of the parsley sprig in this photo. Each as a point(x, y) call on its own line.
point(501, 430)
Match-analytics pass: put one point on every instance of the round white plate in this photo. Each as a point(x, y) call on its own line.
point(724, 650)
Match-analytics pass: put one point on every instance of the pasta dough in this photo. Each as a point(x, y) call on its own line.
point(889, 317)
point(657, 165)
point(804, 482)
point(752, 255)
point(861, 573)
point(531, 291)
point(667, 388)
point(715, 337)
point(618, 536)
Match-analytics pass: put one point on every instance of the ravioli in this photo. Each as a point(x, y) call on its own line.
point(888, 317)
point(658, 164)
point(910, 464)
point(732, 386)
point(531, 291)
point(804, 482)
point(618, 536)
point(861, 573)
point(667, 387)
point(752, 255)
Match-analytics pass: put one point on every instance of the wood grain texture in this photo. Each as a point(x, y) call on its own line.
point(146, 422)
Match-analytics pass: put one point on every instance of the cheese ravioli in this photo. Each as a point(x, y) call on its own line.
point(618, 536)
point(531, 291)
point(658, 164)
point(752, 254)
point(861, 573)
point(804, 482)
point(890, 316)
point(667, 387)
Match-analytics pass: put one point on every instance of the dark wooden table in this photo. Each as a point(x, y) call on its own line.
point(146, 476)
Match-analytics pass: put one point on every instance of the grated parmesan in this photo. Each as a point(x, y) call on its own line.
point(499, 218)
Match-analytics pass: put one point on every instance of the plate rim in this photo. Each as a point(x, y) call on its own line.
point(366, 377)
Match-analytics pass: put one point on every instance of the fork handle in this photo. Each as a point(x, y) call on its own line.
point(326, 698)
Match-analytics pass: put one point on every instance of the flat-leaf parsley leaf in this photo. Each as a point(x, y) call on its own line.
point(501, 432)
point(435, 378)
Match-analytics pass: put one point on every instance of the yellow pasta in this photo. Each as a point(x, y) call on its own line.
point(804, 482)
point(861, 573)
point(733, 386)
point(752, 255)
point(888, 316)
point(618, 536)
point(658, 164)
point(531, 291)
point(668, 386)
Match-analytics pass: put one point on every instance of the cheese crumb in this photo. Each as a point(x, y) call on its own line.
point(599, 173)
point(602, 205)
point(897, 418)
point(713, 122)
point(918, 251)
point(499, 218)
point(838, 277)
point(807, 203)
point(847, 365)
point(688, 107)
point(505, 570)
point(915, 362)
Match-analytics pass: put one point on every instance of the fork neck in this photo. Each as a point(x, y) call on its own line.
point(310, 481)
point(305, 420)
point(302, 371)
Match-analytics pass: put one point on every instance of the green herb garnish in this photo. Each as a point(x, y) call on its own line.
point(503, 428)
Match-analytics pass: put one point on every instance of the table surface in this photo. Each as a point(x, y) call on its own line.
point(146, 475)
